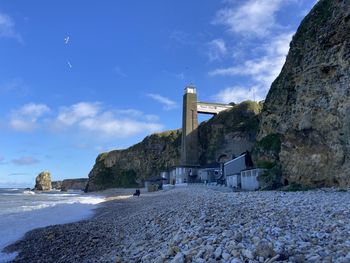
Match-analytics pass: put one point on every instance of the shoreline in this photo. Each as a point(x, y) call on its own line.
point(199, 224)
point(42, 210)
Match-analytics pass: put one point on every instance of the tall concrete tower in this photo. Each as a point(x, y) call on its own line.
point(189, 144)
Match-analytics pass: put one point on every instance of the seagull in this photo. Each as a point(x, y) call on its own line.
point(69, 64)
point(66, 40)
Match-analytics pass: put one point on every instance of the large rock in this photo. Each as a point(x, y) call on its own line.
point(43, 182)
point(229, 133)
point(74, 184)
point(305, 123)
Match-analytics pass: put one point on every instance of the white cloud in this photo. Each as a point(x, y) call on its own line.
point(168, 104)
point(25, 119)
point(237, 94)
point(77, 112)
point(107, 125)
point(85, 118)
point(93, 119)
point(7, 28)
point(22, 125)
point(262, 71)
point(33, 110)
point(132, 113)
point(27, 160)
point(216, 49)
point(252, 18)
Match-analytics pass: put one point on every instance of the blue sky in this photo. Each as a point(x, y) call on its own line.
point(120, 76)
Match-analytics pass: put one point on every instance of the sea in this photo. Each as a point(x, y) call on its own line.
point(22, 210)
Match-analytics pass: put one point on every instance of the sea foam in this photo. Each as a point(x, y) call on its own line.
point(20, 213)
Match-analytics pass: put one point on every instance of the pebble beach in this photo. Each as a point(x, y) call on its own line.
point(201, 224)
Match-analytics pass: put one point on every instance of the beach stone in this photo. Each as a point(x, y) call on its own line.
point(236, 260)
point(263, 249)
point(172, 250)
point(226, 256)
point(159, 260)
point(256, 240)
point(218, 252)
point(179, 258)
point(248, 253)
point(238, 237)
point(251, 216)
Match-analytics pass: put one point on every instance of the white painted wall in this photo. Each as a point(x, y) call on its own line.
point(249, 179)
point(233, 180)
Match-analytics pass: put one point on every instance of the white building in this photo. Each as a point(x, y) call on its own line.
point(208, 175)
point(183, 174)
point(249, 179)
point(232, 171)
point(239, 174)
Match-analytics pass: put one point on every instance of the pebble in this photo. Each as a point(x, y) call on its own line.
point(203, 224)
point(218, 253)
point(179, 258)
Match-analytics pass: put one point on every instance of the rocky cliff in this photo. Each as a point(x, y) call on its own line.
point(74, 184)
point(305, 123)
point(56, 185)
point(128, 168)
point(227, 134)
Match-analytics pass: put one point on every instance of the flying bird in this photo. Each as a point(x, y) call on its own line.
point(69, 64)
point(66, 40)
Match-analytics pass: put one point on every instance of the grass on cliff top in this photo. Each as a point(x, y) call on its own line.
point(171, 135)
point(241, 117)
point(166, 133)
point(101, 156)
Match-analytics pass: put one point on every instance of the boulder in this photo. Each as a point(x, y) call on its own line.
point(43, 182)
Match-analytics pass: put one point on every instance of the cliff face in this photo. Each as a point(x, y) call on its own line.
point(128, 168)
point(74, 184)
point(56, 185)
point(305, 122)
point(229, 133)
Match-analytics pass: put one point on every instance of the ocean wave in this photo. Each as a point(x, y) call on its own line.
point(14, 225)
point(28, 192)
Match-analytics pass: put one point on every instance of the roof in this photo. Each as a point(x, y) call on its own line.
point(211, 165)
point(155, 179)
point(235, 159)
